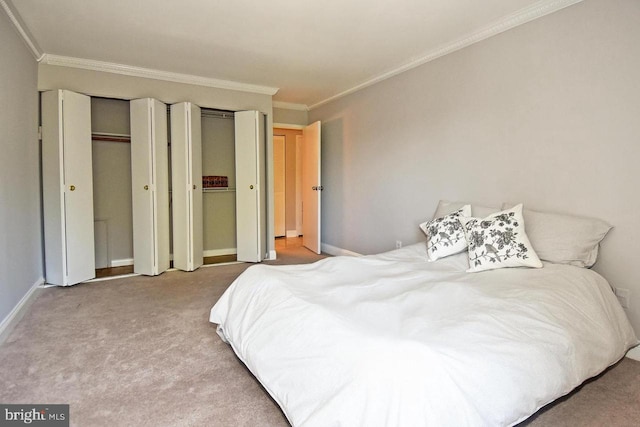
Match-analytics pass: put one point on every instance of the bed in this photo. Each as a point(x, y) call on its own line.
point(392, 340)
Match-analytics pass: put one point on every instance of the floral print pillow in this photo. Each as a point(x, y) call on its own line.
point(499, 241)
point(445, 235)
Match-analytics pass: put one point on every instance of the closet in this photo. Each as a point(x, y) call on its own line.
point(150, 186)
point(125, 195)
point(67, 187)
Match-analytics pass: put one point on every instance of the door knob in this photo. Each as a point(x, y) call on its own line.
point(194, 186)
point(146, 187)
point(72, 187)
point(251, 187)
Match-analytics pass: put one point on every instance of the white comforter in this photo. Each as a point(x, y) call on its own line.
point(392, 340)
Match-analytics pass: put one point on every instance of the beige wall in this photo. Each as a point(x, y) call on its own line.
point(20, 214)
point(547, 114)
point(219, 208)
point(290, 174)
point(109, 85)
point(112, 176)
point(290, 117)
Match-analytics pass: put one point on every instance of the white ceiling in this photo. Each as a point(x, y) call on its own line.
point(312, 50)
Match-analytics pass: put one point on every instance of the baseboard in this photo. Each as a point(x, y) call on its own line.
point(220, 252)
point(634, 353)
point(335, 251)
point(12, 319)
point(272, 255)
point(292, 233)
point(121, 262)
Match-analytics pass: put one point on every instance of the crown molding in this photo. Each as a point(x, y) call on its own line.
point(535, 11)
point(290, 106)
point(130, 70)
point(22, 29)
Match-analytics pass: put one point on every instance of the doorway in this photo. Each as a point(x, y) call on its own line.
point(297, 183)
point(286, 163)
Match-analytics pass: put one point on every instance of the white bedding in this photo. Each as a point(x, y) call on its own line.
point(393, 340)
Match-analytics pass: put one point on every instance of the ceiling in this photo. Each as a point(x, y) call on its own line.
point(311, 50)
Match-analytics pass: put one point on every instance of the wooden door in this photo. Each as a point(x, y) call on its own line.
point(150, 186)
point(311, 188)
point(67, 187)
point(186, 183)
point(279, 204)
point(250, 186)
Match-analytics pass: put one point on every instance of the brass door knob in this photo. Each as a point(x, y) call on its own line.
point(146, 187)
point(72, 187)
point(194, 186)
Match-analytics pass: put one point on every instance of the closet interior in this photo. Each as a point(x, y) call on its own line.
point(163, 181)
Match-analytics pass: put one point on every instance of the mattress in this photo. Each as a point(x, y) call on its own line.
point(394, 340)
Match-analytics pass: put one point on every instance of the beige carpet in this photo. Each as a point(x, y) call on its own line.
point(140, 351)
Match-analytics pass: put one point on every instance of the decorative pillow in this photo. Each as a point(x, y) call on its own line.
point(445, 235)
point(565, 239)
point(498, 241)
point(446, 207)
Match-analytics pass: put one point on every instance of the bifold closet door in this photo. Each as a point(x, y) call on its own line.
point(67, 187)
point(186, 185)
point(251, 213)
point(150, 186)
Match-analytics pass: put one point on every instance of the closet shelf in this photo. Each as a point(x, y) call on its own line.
point(218, 190)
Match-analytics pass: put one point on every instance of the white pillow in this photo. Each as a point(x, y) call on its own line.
point(565, 239)
point(499, 241)
point(445, 235)
point(446, 207)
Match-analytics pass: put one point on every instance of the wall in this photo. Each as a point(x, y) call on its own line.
point(546, 113)
point(219, 208)
point(112, 177)
point(290, 174)
point(103, 84)
point(290, 117)
point(21, 265)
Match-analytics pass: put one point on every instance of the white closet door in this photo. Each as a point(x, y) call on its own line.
point(186, 185)
point(250, 186)
point(67, 187)
point(150, 186)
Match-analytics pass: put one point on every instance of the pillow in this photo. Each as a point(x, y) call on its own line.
point(445, 235)
point(565, 239)
point(498, 241)
point(446, 207)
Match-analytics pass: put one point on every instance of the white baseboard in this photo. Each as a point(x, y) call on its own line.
point(273, 255)
point(292, 233)
point(219, 252)
point(335, 251)
point(211, 252)
point(121, 262)
point(12, 319)
point(634, 353)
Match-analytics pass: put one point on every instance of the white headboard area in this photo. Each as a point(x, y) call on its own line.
point(546, 114)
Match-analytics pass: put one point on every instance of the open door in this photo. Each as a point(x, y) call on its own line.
point(311, 187)
point(279, 177)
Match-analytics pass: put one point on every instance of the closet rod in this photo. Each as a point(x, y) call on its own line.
point(110, 137)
